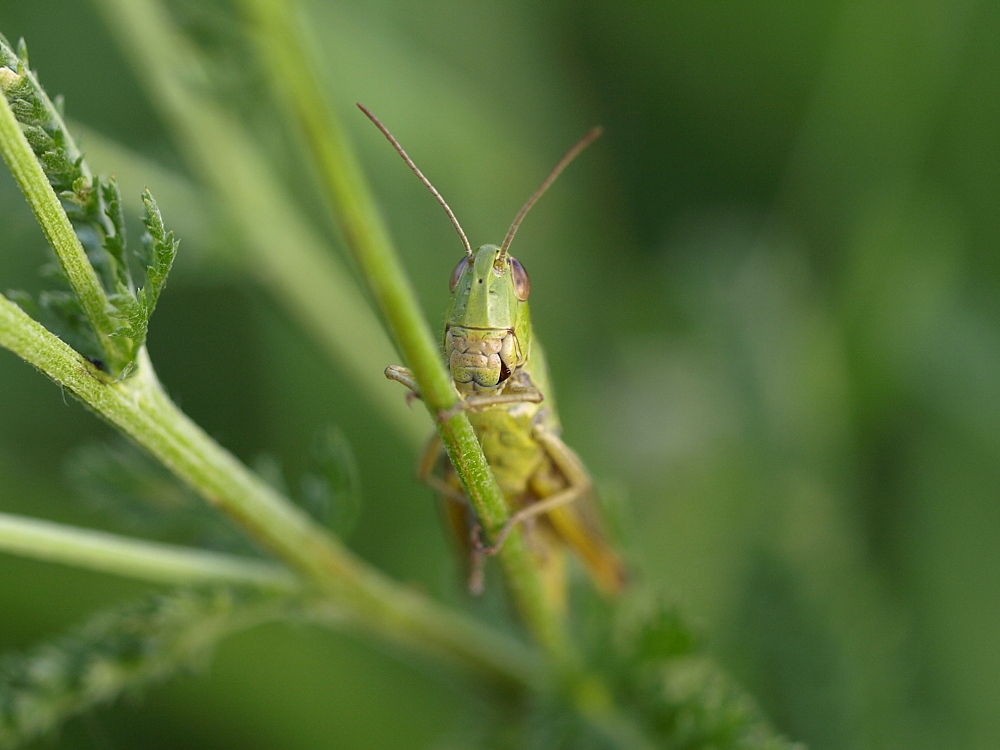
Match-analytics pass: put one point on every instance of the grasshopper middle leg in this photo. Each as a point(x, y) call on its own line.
point(577, 485)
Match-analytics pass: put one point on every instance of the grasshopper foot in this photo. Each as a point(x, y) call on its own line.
point(488, 551)
point(404, 376)
point(541, 507)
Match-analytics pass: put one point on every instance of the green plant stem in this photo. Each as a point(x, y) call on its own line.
point(141, 409)
point(375, 604)
point(282, 251)
point(134, 558)
point(58, 230)
point(351, 199)
point(226, 158)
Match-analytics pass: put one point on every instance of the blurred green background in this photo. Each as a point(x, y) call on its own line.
point(770, 299)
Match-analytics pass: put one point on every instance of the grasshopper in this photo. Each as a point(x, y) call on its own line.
point(499, 370)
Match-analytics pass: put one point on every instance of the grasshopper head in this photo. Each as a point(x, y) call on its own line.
point(488, 289)
point(487, 326)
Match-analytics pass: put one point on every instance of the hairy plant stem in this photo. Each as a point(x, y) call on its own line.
point(279, 247)
point(350, 197)
point(140, 409)
point(56, 226)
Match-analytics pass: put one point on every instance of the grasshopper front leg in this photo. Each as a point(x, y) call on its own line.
point(403, 375)
point(478, 403)
point(527, 394)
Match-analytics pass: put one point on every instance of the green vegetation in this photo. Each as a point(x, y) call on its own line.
point(767, 300)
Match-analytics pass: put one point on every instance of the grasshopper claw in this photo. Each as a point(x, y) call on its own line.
point(405, 377)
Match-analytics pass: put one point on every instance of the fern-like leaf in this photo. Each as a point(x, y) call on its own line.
point(680, 695)
point(137, 495)
point(114, 242)
point(120, 651)
point(134, 308)
point(329, 490)
point(94, 207)
point(159, 248)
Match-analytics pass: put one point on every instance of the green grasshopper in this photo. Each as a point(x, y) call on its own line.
point(499, 370)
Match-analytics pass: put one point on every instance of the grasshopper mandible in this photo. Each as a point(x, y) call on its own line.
point(499, 370)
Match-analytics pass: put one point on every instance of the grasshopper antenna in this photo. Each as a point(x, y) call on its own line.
point(579, 146)
point(420, 176)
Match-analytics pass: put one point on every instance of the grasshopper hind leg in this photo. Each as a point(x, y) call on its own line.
point(569, 514)
point(576, 485)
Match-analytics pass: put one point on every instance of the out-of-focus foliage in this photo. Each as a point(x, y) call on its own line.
point(116, 651)
point(769, 298)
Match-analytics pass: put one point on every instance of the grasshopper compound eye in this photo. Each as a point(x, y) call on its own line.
point(522, 284)
point(457, 273)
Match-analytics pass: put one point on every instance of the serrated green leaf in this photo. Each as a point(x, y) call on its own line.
point(114, 241)
point(664, 635)
point(680, 695)
point(331, 489)
point(60, 310)
point(94, 208)
point(133, 309)
point(137, 495)
point(159, 251)
point(697, 705)
point(123, 650)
